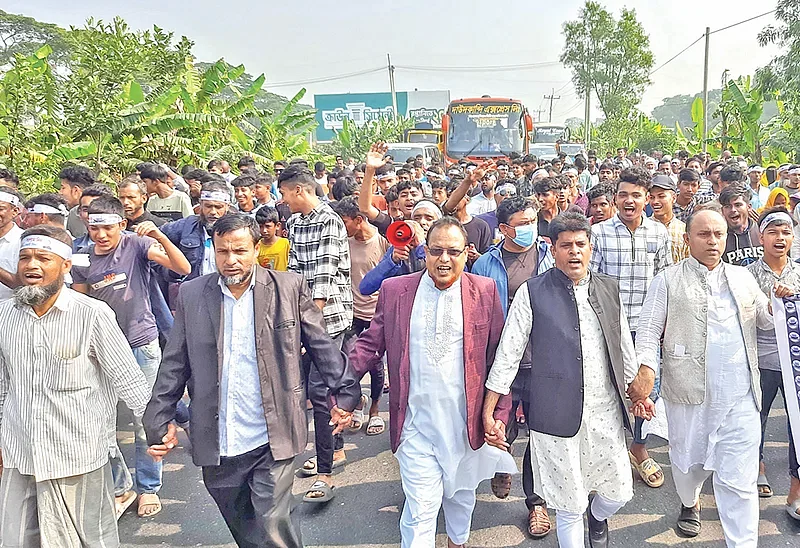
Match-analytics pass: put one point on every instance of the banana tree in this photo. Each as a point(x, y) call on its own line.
point(745, 105)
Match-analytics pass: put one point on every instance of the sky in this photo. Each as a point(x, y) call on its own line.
point(300, 40)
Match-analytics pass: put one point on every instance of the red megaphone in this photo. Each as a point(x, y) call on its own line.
point(399, 234)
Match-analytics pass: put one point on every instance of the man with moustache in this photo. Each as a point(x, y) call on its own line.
point(58, 424)
point(439, 329)
point(236, 345)
point(192, 235)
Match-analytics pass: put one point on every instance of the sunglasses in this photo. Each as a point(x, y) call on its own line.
point(438, 251)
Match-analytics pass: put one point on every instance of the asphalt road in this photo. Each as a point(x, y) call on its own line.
point(365, 511)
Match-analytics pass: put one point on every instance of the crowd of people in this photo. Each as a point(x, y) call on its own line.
point(564, 298)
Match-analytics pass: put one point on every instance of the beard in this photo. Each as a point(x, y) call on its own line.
point(35, 295)
point(208, 224)
point(237, 280)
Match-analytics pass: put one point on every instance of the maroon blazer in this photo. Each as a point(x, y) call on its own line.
point(389, 332)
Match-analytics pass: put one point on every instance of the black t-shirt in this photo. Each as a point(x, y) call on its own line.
point(745, 248)
point(543, 227)
point(479, 234)
point(146, 216)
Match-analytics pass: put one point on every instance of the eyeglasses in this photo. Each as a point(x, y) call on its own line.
point(438, 251)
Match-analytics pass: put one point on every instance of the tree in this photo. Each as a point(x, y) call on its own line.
point(782, 76)
point(610, 57)
point(25, 35)
point(574, 122)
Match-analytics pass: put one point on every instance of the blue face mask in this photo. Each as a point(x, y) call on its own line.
point(526, 234)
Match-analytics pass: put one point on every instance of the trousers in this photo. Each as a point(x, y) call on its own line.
point(73, 512)
point(422, 480)
point(569, 525)
point(325, 443)
point(531, 498)
point(771, 382)
point(738, 509)
point(253, 492)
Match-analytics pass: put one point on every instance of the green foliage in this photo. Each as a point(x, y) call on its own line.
point(610, 57)
point(636, 131)
point(354, 141)
point(123, 96)
point(25, 35)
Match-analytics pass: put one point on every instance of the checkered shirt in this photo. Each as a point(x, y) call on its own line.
point(633, 258)
point(677, 229)
point(321, 253)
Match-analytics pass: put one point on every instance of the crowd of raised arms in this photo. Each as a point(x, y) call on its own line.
point(572, 299)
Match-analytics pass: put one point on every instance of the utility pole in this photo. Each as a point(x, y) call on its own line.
point(391, 88)
point(705, 92)
point(587, 124)
point(552, 97)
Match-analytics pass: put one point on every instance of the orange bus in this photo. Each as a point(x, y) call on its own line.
point(489, 127)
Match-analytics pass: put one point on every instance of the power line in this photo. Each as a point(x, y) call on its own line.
point(742, 22)
point(671, 59)
point(485, 68)
point(325, 78)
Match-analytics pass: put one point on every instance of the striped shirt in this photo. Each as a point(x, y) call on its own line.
point(634, 258)
point(319, 250)
point(60, 376)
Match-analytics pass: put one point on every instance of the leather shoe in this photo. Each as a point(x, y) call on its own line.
point(598, 530)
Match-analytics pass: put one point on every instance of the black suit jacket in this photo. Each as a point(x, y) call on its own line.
point(286, 318)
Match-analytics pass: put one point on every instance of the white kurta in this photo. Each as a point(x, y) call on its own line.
point(437, 406)
point(566, 470)
point(722, 433)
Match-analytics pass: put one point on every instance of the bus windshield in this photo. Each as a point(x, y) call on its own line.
point(431, 138)
point(485, 129)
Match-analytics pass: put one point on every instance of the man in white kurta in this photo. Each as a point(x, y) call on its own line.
point(567, 468)
point(439, 329)
point(707, 312)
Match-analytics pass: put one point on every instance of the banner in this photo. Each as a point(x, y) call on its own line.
point(786, 313)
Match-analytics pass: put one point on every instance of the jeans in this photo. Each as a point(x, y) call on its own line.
point(771, 382)
point(376, 377)
point(148, 472)
point(325, 443)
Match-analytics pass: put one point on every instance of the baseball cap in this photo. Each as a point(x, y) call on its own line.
point(663, 181)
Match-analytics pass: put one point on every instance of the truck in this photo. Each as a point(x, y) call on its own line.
point(486, 127)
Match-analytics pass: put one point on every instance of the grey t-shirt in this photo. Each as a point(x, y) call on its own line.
point(765, 338)
point(122, 280)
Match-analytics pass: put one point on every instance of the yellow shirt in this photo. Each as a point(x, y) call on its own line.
point(275, 256)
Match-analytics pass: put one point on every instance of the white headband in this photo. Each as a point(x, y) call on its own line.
point(215, 196)
point(778, 216)
point(388, 175)
point(46, 243)
point(793, 171)
point(428, 205)
point(9, 198)
point(755, 169)
point(104, 219)
point(49, 210)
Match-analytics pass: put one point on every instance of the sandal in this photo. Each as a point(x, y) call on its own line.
point(375, 426)
point(148, 500)
point(501, 485)
point(764, 488)
point(319, 486)
point(358, 415)
point(310, 466)
point(689, 521)
point(792, 510)
point(647, 468)
point(539, 521)
point(123, 502)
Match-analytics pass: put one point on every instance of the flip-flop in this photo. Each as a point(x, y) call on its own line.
point(792, 508)
point(358, 415)
point(648, 467)
point(322, 487)
point(689, 523)
point(121, 504)
point(376, 422)
point(148, 499)
point(763, 482)
point(309, 468)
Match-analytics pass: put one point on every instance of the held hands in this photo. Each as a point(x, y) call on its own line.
point(645, 409)
point(170, 440)
point(495, 433)
point(376, 157)
point(340, 419)
point(641, 386)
